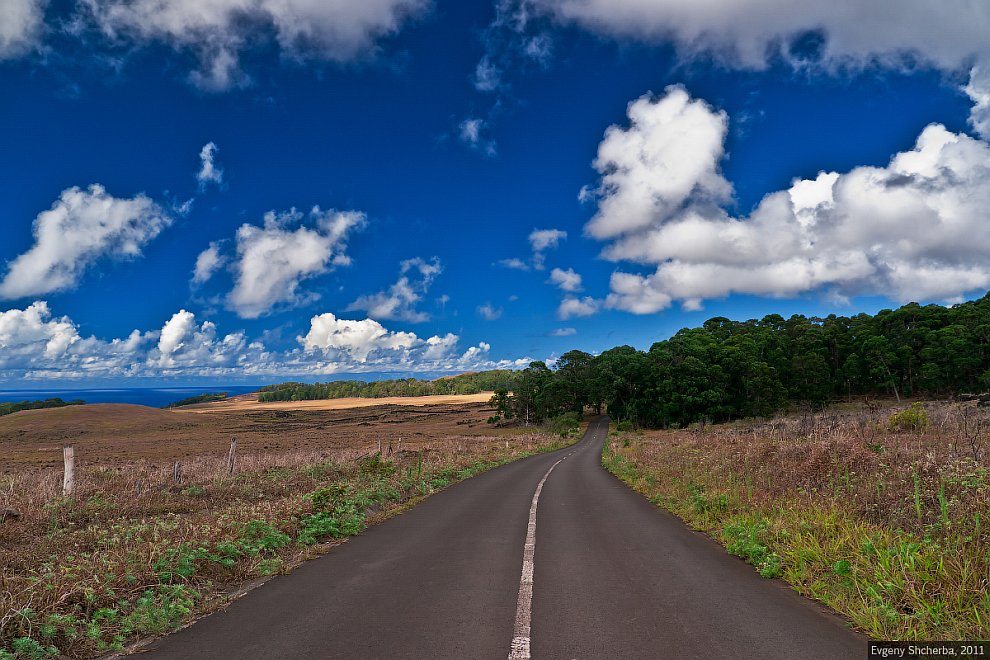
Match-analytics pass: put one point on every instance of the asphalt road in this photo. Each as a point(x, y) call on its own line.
point(613, 577)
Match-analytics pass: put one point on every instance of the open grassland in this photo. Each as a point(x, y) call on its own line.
point(111, 434)
point(880, 513)
point(247, 402)
point(135, 553)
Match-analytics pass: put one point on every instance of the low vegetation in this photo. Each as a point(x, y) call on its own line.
point(880, 513)
point(135, 553)
point(12, 407)
point(199, 398)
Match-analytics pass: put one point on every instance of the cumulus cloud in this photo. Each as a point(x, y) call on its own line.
point(209, 172)
point(489, 312)
point(35, 345)
point(670, 151)
point(272, 261)
point(399, 302)
point(333, 343)
point(358, 339)
point(21, 22)
point(565, 280)
point(80, 228)
point(572, 306)
point(220, 31)
point(913, 230)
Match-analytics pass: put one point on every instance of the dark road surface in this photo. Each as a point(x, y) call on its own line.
point(614, 578)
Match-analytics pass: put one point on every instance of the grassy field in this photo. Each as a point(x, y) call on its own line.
point(135, 554)
point(879, 512)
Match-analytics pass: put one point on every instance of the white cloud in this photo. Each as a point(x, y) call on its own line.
point(475, 353)
point(207, 263)
point(439, 348)
point(670, 151)
point(21, 23)
point(80, 228)
point(541, 240)
point(34, 346)
point(399, 302)
point(31, 332)
point(978, 90)
point(746, 35)
point(471, 132)
point(273, 260)
point(218, 32)
point(356, 338)
point(488, 312)
point(515, 39)
point(514, 263)
point(913, 230)
point(563, 332)
point(546, 239)
point(208, 170)
point(566, 280)
point(572, 306)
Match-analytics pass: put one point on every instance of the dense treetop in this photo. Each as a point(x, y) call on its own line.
point(728, 369)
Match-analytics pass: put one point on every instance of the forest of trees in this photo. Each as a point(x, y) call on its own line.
point(730, 369)
point(472, 383)
point(17, 406)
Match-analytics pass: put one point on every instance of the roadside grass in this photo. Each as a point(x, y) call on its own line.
point(133, 554)
point(879, 514)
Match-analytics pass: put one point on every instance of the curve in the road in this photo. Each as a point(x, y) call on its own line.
point(614, 577)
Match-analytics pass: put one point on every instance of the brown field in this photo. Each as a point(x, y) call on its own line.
point(138, 551)
point(122, 433)
point(247, 402)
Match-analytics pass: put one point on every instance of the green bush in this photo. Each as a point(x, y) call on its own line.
point(624, 426)
point(914, 419)
point(564, 424)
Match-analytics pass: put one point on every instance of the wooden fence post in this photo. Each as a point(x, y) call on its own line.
point(177, 472)
point(232, 456)
point(69, 476)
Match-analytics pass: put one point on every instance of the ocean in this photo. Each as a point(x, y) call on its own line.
point(145, 396)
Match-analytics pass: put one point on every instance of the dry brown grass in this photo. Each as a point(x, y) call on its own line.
point(116, 434)
point(884, 522)
point(133, 553)
point(246, 402)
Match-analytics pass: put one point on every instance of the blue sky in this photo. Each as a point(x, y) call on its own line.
point(260, 190)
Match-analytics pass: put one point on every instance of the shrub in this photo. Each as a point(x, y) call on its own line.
point(564, 424)
point(914, 419)
point(624, 426)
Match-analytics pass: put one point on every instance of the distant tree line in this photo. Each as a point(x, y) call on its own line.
point(12, 407)
point(471, 383)
point(199, 398)
point(731, 369)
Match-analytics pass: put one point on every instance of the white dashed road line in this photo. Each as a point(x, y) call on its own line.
point(524, 604)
